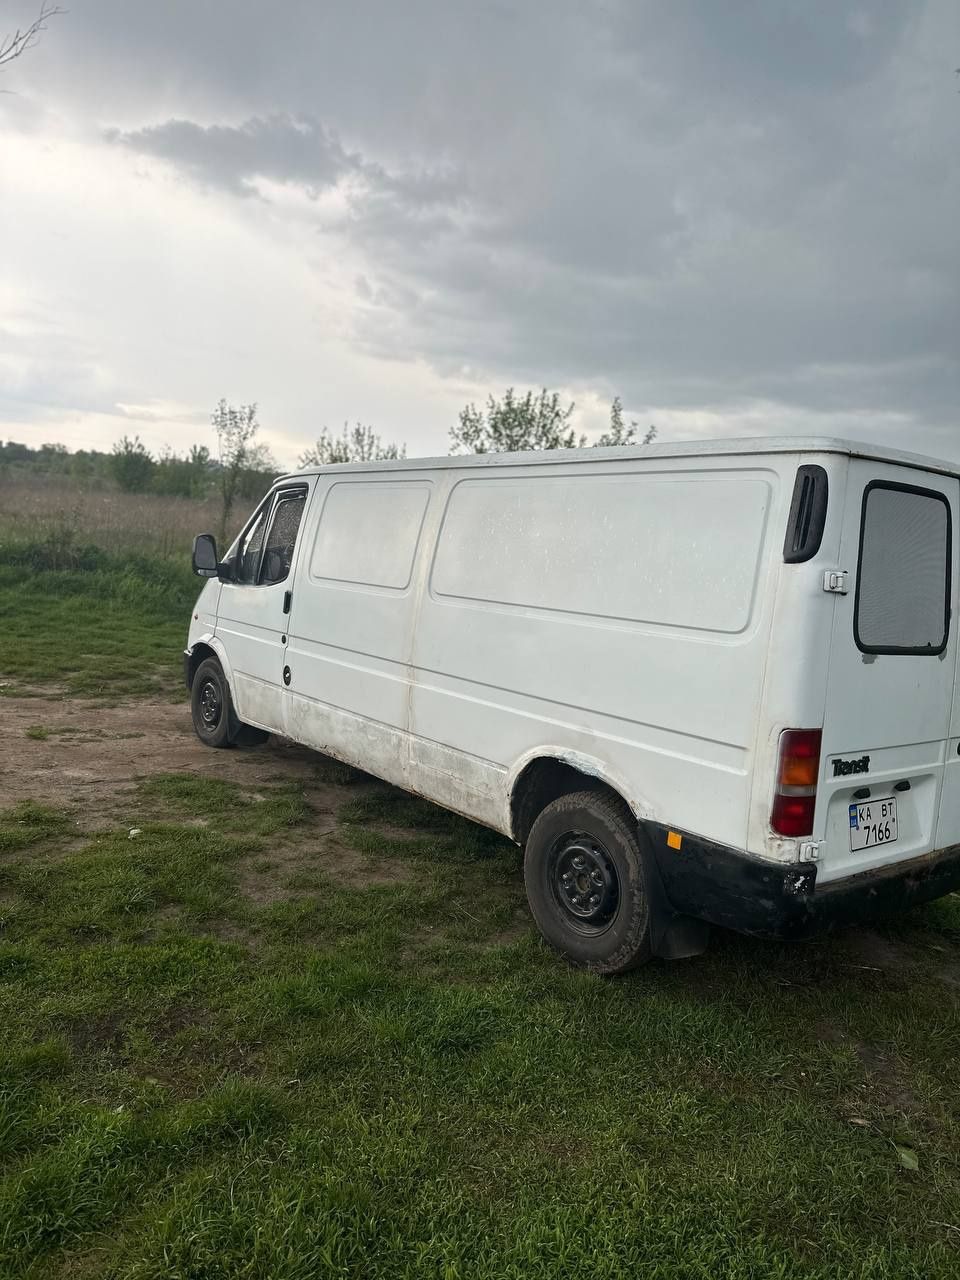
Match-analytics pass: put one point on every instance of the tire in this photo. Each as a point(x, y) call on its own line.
point(586, 883)
point(214, 720)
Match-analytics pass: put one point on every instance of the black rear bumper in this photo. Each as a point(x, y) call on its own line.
point(769, 900)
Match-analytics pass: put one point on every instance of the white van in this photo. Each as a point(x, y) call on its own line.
point(698, 683)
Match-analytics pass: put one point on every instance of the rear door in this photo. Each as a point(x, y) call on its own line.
point(887, 722)
point(948, 826)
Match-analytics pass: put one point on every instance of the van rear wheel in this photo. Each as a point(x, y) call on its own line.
point(585, 880)
point(214, 720)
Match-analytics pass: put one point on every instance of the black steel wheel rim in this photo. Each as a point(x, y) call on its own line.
point(584, 882)
point(210, 704)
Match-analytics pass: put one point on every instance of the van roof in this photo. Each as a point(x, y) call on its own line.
point(695, 448)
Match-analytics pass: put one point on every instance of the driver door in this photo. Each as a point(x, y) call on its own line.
point(255, 604)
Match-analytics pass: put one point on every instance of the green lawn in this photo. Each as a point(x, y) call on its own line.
point(229, 1048)
point(91, 623)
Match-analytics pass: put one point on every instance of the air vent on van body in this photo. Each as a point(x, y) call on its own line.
point(808, 514)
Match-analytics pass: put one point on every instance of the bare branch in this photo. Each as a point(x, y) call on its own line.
point(11, 47)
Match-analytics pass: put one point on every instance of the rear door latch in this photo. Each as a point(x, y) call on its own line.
point(835, 580)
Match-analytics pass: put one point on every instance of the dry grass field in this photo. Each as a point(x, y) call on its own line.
point(55, 510)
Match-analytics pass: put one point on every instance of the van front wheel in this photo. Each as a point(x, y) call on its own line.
point(213, 717)
point(584, 875)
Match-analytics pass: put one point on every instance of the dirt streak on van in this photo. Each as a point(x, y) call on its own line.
point(698, 683)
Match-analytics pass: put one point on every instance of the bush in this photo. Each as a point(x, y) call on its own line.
point(131, 465)
point(65, 568)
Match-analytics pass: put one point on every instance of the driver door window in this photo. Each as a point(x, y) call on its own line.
point(278, 552)
point(262, 558)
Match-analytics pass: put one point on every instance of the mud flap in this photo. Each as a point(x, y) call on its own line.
point(673, 936)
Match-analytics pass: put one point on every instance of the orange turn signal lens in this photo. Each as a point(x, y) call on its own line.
point(799, 758)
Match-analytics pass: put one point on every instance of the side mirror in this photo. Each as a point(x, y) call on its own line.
point(205, 555)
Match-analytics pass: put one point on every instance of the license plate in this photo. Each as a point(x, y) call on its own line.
point(873, 822)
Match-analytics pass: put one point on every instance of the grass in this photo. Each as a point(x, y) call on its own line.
point(254, 1040)
point(102, 626)
point(95, 587)
point(395, 1079)
point(28, 823)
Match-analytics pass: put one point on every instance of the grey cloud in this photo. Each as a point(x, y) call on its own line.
point(779, 50)
point(808, 254)
point(691, 204)
point(287, 149)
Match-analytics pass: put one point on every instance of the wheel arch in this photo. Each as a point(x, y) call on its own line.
point(546, 774)
point(209, 646)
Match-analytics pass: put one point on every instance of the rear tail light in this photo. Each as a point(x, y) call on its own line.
point(798, 767)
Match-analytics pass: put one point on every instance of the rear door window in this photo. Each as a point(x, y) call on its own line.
point(903, 581)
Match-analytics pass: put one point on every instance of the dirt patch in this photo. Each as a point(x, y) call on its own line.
point(522, 927)
point(285, 872)
point(879, 1063)
point(103, 1033)
point(240, 935)
point(355, 870)
point(176, 1019)
point(94, 755)
point(172, 919)
point(868, 950)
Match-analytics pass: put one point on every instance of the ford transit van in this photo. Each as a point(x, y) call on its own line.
point(710, 683)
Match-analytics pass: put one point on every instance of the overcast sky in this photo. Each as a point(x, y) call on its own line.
point(741, 217)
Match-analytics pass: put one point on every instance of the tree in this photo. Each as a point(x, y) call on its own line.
point(14, 452)
point(187, 477)
point(532, 421)
point(259, 473)
point(236, 428)
point(12, 47)
point(622, 433)
point(131, 465)
point(354, 444)
point(54, 458)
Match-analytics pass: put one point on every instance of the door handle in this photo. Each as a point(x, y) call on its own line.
point(287, 601)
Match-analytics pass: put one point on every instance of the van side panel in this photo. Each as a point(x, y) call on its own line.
point(352, 619)
point(795, 683)
point(616, 617)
